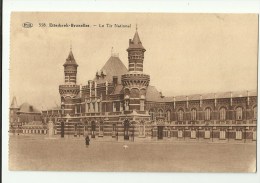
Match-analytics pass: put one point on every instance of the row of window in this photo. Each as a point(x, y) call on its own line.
point(207, 113)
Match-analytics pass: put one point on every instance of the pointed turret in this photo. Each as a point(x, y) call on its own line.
point(13, 111)
point(70, 69)
point(70, 60)
point(135, 43)
point(70, 89)
point(135, 54)
point(135, 81)
point(14, 104)
point(136, 39)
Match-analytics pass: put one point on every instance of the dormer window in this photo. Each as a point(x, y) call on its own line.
point(115, 80)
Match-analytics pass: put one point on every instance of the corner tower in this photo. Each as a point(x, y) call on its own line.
point(13, 116)
point(69, 90)
point(135, 82)
point(135, 54)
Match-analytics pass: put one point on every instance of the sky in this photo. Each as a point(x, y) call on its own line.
point(185, 53)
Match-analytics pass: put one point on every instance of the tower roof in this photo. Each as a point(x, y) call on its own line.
point(136, 42)
point(136, 39)
point(70, 60)
point(113, 67)
point(14, 103)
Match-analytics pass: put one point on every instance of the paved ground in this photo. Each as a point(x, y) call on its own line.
point(31, 153)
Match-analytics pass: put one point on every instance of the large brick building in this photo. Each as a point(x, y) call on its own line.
point(119, 102)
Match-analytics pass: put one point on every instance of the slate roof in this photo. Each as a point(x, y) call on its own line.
point(70, 60)
point(154, 95)
point(113, 67)
point(136, 42)
point(27, 108)
point(118, 90)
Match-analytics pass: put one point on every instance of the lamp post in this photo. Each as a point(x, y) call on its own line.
point(151, 132)
point(116, 132)
point(133, 133)
point(19, 126)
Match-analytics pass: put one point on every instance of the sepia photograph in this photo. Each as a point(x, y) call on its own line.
point(133, 92)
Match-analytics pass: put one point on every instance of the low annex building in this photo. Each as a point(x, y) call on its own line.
point(25, 119)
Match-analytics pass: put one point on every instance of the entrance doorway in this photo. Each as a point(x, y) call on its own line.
point(160, 132)
point(62, 129)
point(93, 129)
point(126, 129)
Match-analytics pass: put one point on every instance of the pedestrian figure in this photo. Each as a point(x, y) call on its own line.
point(87, 140)
point(117, 136)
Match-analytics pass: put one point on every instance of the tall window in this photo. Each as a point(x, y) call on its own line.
point(168, 115)
point(160, 112)
point(239, 134)
point(255, 112)
point(222, 114)
point(151, 113)
point(222, 134)
point(193, 114)
point(98, 106)
point(207, 114)
point(101, 126)
point(87, 107)
point(180, 115)
point(94, 107)
point(114, 127)
point(126, 105)
point(239, 113)
point(142, 105)
point(114, 107)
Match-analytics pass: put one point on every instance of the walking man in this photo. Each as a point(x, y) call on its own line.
point(87, 140)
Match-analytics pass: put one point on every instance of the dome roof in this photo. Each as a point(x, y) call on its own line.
point(27, 108)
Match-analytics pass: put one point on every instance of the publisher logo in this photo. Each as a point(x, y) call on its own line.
point(27, 25)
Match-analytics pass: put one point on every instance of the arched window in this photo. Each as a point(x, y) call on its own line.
point(255, 112)
point(151, 113)
point(239, 114)
point(193, 114)
point(160, 113)
point(207, 113)
point(180, 115)
point(169, 115)
point(222, 114)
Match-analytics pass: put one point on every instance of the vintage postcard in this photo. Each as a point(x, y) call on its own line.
point(133, 92)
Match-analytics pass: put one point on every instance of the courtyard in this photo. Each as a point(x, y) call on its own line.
point(40, 154)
